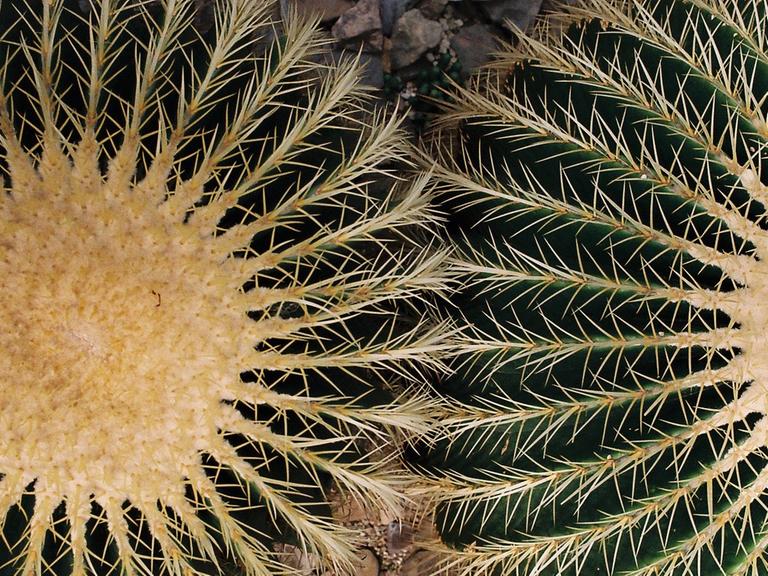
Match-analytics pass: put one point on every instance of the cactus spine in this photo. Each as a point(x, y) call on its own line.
point(202, 244)
point(608, 195)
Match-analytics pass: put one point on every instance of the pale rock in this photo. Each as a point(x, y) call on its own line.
point(362, 21)
point(366, 563)
point(413, 36)
point(418, 564)
point(432, 8)
point(399, 536)
point(474, 46)
point(303, 563)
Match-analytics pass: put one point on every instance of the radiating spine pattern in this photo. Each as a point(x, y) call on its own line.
point(212, 279)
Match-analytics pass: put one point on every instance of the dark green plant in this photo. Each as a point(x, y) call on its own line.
point(607, 192)
point(210, 277)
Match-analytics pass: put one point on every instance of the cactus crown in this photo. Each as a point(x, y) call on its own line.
point(201, 247)
point(608, 193)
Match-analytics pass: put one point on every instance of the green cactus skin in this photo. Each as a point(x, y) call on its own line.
point(210, 279)
point(608, 191)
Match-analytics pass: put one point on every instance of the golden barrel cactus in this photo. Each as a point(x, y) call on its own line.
point(607, 184)
point(210, 279)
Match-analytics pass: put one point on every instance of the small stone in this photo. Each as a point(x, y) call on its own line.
point(304, 563)
point(374, 42)
point(366, 563)
point(432, 8)
point(326, 10)
point(474, 46)
point(373, 71)
point(521, 13)
point(418, 564)
point(398, 537)
point(413, 36)
point(205, 15)
point(361, 21)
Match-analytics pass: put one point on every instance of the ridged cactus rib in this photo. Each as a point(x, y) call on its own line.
point(607, 191)
point(210, 277)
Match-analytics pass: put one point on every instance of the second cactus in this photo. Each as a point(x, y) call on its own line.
point(608, 195)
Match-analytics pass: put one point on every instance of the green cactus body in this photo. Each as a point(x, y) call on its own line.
point(607, 193)
point(203, 244)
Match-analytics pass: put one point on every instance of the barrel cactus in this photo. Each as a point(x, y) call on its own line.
point(607, 184)
point(211, 285)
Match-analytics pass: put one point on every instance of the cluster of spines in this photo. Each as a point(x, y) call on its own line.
point(607, 190)
point(229, 145)
point(607, 202)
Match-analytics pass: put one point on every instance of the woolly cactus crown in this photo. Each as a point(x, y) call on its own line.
point(201, 248)
point(608, 193)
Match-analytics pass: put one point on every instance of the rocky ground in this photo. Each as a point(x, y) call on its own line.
point(389, 547)
point(413, 48)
